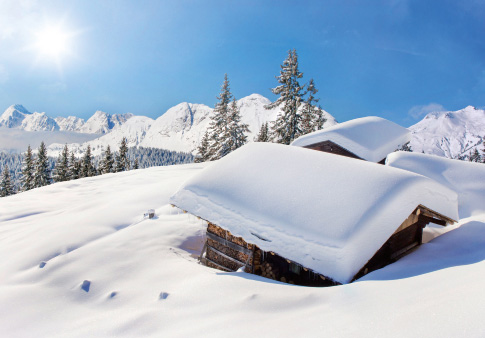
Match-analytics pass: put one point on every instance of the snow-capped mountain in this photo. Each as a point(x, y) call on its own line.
point(135, 130)
point(38, 122)
point(102, 123)
point(70, 123)
point(13, 116)
point(16, 116)
point(450, 133)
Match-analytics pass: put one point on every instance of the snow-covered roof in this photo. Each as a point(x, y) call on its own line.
point(466, 178)
point(327, 212)
point(371, 138)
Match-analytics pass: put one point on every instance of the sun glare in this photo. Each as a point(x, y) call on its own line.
point(53, 42)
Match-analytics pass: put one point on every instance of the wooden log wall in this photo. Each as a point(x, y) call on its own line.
point(226, 256)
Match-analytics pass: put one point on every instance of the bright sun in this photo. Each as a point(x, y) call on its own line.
point(53, 42)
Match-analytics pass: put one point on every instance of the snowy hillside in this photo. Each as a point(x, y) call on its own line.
point(449, 134)
point(70, 123)
point(83, 262)
point(102, 123)
point(13, 116)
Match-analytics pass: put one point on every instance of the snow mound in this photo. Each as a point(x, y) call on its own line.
point(371, 138)
point(467, 179)
point(327, 212)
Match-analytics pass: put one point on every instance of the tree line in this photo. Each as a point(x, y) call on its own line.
point(300, 114)
point(35, 171)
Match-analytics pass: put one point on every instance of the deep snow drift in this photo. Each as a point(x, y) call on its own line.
point(326, 212)
point(79, 260)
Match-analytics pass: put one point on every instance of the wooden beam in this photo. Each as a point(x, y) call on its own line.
point(230, 244)
point(218, 265)
point(225, 256)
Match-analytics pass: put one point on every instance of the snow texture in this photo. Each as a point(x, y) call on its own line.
point(144, 281)
point(467, 179)
point(450, 133)
point(327, 212)
point(370, 138)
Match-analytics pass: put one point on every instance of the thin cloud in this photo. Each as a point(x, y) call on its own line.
point(54, 88)
point(418, 112)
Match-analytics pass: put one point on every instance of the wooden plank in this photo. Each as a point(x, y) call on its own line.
point(437, 215)
point(218, 265)
point(230, 244)
point(225, 256)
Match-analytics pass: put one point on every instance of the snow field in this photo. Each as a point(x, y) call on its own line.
point(142, 283)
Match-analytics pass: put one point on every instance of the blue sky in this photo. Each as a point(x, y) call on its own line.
point(397, 59)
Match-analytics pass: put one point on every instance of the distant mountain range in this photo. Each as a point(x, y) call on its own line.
point(449, 134)
point(16, 116)
point(180, 128)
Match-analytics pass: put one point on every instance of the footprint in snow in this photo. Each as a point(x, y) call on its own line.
point(42, 264)
point(163, 295)
point(86, 285)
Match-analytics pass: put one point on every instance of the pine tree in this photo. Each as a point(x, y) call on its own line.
point(74, 167)
point(475, 156)
point(313, 118)
point(263, 135)
point(122, 162)
point(6, 186)
point(287, 126)
point(87, 166)
point(136, 165)
point(107, 163)
point(61, 171)
point(42, 175)
point(28, 168)
point(219, 136)
point(237, 130)
point(203, 149)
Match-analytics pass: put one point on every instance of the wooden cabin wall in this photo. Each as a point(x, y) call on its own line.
point(225, 257)
point(333, 148)
point(401, 243)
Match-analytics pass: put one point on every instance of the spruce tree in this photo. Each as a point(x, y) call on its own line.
point(287, 126)
point(42, 175)
point(122, 162)
point(218, 128)
point(475, 156)
point(107, 163)
point(61, 171)
point(203, 149)
point(28, 169)
point(263, 135)
point(313, 118)
point(87, 166)
point(237, 129)
point(136, 165)
point(6, 186)
point(74, 167)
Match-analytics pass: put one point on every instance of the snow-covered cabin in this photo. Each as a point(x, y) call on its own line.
point(296, 215)
point(369, 138)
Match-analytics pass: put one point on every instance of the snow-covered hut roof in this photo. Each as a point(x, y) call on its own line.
point(371, 138)
point(326, 212)
point(467, 179)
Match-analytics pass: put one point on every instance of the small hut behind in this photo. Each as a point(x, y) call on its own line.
point(368, 138)
point(309, 218)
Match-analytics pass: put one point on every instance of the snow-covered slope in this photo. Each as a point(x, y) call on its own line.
point(450, 134)
point(13, 116)
point(80, 261)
